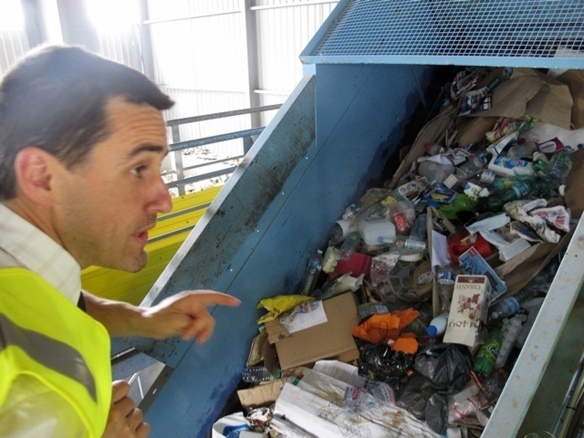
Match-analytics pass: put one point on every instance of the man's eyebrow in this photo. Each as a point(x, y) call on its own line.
point(148, 148)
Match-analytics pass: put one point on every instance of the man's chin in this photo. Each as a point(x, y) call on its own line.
point(130, 264)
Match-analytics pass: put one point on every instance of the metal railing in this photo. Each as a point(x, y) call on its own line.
point(177, 145)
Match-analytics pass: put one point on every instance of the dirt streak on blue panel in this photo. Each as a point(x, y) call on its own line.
point(273, 257)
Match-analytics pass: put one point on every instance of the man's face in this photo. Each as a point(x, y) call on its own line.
point(106, 206)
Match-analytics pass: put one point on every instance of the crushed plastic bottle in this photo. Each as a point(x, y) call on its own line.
point(312, 273)
point(511, 330)
point(471, 167)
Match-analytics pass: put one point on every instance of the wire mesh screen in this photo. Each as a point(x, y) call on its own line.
point(455, 28)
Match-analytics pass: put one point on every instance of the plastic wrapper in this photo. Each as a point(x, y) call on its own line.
point(381, 328)
point(280, 304)
point(381, 266)
point(467, 412)
point(259, 419)
point(382, 391)
point(358, 400)
point(282, 428)
point(288, 319)
point(415, 396)
point(445, 366)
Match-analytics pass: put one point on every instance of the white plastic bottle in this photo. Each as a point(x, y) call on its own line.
point(437, 326)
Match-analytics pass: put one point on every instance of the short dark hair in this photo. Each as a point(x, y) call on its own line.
point(55, 99)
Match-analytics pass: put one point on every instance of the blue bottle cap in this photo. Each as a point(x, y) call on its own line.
point(431, 330)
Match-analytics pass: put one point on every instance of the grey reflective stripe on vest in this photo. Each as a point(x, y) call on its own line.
point(48, 352)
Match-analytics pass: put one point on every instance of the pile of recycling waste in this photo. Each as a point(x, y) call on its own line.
point(438, 327)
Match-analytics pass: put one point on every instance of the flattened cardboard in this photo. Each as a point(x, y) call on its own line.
point(332, 339)
point(575, 81)
point(262, 395)
point(529, 92)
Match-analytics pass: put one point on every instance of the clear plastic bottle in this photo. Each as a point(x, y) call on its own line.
point(559, 168)
point(433, 148)
point(350, 245)
point(445, 279)
point(434, 171)
point(403, 242)
point(419, 230)
point(256, 374)
point(522, 150)
point(312, 273)
point(511, 305)
point(471, 167)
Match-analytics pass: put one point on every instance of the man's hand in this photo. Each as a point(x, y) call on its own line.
point(124, 420)
point(185, 315)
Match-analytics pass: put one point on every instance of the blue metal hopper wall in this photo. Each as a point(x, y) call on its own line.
point(256, 238)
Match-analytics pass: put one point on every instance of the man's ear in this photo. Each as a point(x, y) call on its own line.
point(34, 175)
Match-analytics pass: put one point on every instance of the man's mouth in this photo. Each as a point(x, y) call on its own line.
point(142, 237)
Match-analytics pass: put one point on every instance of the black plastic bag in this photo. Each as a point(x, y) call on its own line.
point(416, 393)
point(437, 413)
point(445, 365)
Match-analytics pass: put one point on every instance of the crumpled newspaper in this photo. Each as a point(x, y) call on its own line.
point(522, 211)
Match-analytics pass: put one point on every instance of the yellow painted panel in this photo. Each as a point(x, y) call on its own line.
point(132, 287)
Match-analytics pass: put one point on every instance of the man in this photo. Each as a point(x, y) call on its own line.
point(81, 144)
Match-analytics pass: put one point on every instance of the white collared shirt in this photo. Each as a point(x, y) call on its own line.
point(24, 245)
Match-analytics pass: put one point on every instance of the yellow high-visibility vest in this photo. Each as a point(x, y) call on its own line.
point(65, 351)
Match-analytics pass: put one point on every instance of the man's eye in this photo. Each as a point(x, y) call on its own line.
point(139, 170)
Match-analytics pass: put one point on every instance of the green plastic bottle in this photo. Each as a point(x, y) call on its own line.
point(487, 355)
point(519, 190)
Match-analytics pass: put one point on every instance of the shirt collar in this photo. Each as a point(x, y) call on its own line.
point(28, 247)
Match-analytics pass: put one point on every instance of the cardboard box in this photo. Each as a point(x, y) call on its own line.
point(331, 340)
point(468, 309)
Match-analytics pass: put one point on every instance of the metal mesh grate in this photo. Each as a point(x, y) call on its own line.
point(444, 29)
